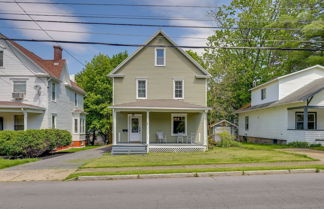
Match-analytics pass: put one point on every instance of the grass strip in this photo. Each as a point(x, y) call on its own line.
point(5, 163)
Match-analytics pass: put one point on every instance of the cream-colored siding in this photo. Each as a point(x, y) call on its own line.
point(160, 78)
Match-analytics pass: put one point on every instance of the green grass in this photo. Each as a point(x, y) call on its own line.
point(4, 163)
point(317, 148)
point(215, 156)
point(196, 170)
point(80, 149)
point(264, 146)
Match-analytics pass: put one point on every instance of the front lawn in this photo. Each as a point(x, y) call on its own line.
point(215, 156)
point(4, 163)
point(80, 149)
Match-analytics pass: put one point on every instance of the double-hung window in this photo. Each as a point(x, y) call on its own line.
point(82, 125)
point(141, 89)
point(312, 125)
point(53, 91)
point(19, 123)
point(159, 56)
point(76, 125)
point(179, 124)
point(19, 87)
point(178, 89)
point(1, 58)
point(263, 94)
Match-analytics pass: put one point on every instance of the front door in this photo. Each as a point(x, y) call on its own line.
point(135, 128)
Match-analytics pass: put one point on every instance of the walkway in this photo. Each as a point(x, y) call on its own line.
point(56, 168)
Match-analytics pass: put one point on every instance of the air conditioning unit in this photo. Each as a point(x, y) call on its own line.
point(18, 95)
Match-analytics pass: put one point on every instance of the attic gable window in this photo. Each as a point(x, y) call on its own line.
point(159, 56)
point(1, 58)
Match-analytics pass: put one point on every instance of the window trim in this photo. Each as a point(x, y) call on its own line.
point(186, 123)
point(164, 56)
point(183, 92)
point(302, 113)
point(246, 123)
point(53, 100)
point(55, 120)
point(264, 94)
point(146, 90)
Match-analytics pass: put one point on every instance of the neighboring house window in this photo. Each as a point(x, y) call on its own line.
point(53, 121)
point(178, 89)
point(53, 91)
point(141, 89)
point(1, 123)
point(82, 125)
point(19, 122)
point(1, 58)
point(19, 87)
point(160, 57)
point(179, 124)
point(263, 94)
point(246, 122)
point(76, 126)
point(312, 120)
point(75, 99)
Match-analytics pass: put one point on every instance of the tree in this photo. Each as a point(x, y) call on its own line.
point(95, 81)
point(236, 71)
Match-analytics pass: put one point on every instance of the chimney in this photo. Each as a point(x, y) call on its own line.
point(57, 53)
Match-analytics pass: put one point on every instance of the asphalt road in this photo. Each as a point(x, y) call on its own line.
point(248, 192)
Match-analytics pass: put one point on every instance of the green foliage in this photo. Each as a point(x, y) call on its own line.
point(315, 145)
point(227, 140)
point(235, 71)
point(32, 143)
point(298, 144)
point(95, 81)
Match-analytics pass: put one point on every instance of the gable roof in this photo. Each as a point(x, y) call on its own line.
point(53, 67)
point(160, 32)
point(222, 121)
point(290, 74)
point(300, 95)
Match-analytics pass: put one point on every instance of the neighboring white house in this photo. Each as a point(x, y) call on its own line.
point(37, 93)
point(286, 109)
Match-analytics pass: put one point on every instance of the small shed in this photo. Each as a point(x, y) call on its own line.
point(221, 126)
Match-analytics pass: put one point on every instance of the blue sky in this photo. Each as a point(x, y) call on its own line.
point(86, 52)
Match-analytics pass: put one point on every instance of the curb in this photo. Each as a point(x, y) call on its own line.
point(201, 174)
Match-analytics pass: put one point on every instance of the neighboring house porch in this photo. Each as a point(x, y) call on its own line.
point(160, 126)
point(20, 116)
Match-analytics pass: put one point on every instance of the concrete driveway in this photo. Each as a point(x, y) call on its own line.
point(56, 168)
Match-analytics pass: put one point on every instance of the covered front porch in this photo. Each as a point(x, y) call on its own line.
point(306, 124)
point(160, 130)
point(20, 116)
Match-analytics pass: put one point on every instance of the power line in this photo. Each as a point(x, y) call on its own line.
point(143, 45)
point(48, 33)
point(147, 35)
point(133, 5)
point(160, 25)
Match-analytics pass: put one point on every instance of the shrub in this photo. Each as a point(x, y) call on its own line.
point(315, 145)
point(298, 144)
point(227, 140)
point(32, 143)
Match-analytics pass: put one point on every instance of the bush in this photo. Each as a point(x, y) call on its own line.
point(298, 144)
point(32, 143)
point(227, 140)
point(315, 145)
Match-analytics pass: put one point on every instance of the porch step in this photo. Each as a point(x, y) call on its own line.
point(129, 150)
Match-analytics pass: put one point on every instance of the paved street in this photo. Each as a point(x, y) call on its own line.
point(244, 192)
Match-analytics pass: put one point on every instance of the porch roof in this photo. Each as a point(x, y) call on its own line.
point(15, 105)
point(159, 104)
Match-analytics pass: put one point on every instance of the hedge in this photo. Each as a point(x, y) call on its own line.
point(32, 143)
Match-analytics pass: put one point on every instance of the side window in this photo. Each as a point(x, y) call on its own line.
point(160, 57)
point(263, 94)
point(53, 121)
point(76, 125)
point(75, 99)
point(19, 87)
point(141, 89)
point(247, 122)
point(82, 125)
point(178, 89)
point(53, 91)
point(1, 58)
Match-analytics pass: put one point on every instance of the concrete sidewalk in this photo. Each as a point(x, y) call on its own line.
point(56, 168)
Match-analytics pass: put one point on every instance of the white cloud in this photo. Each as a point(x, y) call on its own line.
point(46, 9)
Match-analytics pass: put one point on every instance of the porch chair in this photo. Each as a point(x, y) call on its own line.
point(191, 138)
point(161, 137)
point(180, 139)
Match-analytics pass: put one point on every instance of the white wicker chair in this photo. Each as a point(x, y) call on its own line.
point(161, 137)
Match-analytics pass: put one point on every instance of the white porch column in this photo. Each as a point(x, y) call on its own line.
point(147, 129)
point(114, 134)
point(25, 120)
point(205, 129)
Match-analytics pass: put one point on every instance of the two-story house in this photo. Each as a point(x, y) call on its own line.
point(37, 93)
point(286, 109)
point(159, 100)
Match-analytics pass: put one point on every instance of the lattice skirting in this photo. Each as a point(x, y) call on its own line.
point(177, 149)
